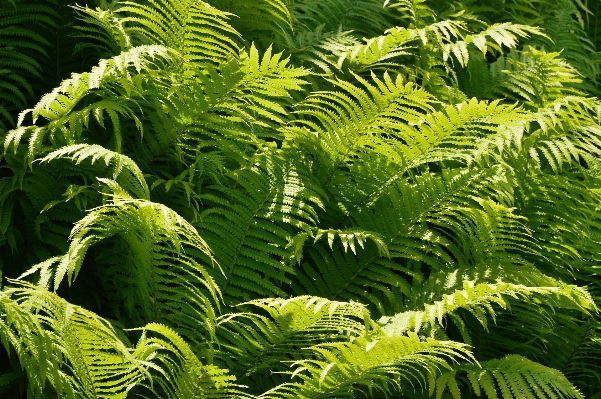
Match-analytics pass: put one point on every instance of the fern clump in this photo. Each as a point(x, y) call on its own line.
point(300, 199)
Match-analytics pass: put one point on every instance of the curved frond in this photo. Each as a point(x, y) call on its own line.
point(511, 377)
point(385, 365)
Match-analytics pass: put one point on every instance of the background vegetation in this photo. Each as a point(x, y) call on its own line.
point(300, 199)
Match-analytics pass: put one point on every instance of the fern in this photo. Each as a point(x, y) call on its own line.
point(99, 362)
point(514, 377)
point(21, 54)
point(477, 299)
point(288, 328)
point(385, 364)
point(154, 261)
point(299, 199)
point(133, 178)
point(271, 199)
point(193, 28)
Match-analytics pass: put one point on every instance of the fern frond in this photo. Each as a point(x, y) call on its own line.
point(147, 258)
point(513, 377)
point(256, 342)
point(59, 107)
point(364, 18)
point(412, 219)
point(385, 365)
point(198, 31)
point(182, 374)
point(563, 22)
point(121, 163)
point(361, 127)
point(478, 298)
point(347, 239)
point(262, 206)
point(236, 107)
point(104, 31)
point(98, 363)
point(318, 47)
point(23, 52)
point(496, 36)
point(535, 76)
point(258, 20)
point(83, 355)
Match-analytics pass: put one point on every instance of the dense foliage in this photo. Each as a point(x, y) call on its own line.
point(284, 199)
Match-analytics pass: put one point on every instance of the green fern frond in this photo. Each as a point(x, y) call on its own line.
point(364, 18)
point(258, 20)
point(22, 53)
point(182, 374)
point(412, 219)
point(347, 238)
point(198, 31)
point(318, 47)
point(511, 377)
point(152, 249)
point(496, 36)
point(357, 127)
point(103, 30)
point(236, 107)
point(60, 107)
point(83, 355)
point(563, 22)
point(478, 298)
point(264, 204)
point(386, 365)
point(256, 342)
point(537, 77)
point(53, 332)
point(121, 163)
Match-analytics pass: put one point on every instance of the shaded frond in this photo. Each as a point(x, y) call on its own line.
point(365, 18)
point(256, 343)
point(511, 377)
point(250, 219)
point(535, 76)
point(23, 51)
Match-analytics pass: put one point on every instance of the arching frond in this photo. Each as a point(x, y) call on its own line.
point(82, 355)
point(152, 250)
point(387, 365)
point(67, 112)
point(125, 170)
point(511, 377)
point(478, 298)
point(256, 345)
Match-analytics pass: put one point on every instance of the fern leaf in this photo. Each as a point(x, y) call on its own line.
point(193, 28)
point(386, 365)
point(150, 242)
point(271, 199)
point(80, 152)
point(260, 343)
point(514, 377)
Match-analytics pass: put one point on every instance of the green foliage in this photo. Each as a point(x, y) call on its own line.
point(300, 199)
